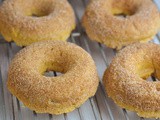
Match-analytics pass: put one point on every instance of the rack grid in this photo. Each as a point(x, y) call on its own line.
point(98, 107)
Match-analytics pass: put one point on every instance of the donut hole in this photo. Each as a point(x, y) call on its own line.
point(145, 70)
point(36, 8)
point(148, 71)
point(56, 65)
point(40, 12)
point(53, 69)
point(52, 74)
point(48, 74)
point(151, 78)
point(123, 14)
point(123, 9)
point(38, 15)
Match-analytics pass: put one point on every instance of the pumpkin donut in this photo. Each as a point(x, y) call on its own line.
point(141, 23)
point(28, 21)
point(54, 95)
point(125, 79)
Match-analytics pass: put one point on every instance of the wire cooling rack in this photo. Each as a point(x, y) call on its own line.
point(99, 107)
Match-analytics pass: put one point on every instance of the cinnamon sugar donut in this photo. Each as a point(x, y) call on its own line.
point(141, 23)
point(125, 79)
point(53, 95)
point(28, 21)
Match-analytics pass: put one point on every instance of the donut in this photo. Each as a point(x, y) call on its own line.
point(29, 21)
point(140, 24)
point(125, 79)
point(54, 95)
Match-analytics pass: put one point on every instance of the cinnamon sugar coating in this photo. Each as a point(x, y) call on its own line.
point(141, 23)
point(54, 95)
point(29, 21)
point(125, 79)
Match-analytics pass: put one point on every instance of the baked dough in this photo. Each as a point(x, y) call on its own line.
point(29, 21)
point(141, 23)
point(125, 79)
point(54, 95)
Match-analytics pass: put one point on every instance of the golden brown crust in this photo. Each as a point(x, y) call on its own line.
point(125, 82)
point(141, 24)
point(56, 20)
point(53, 95)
